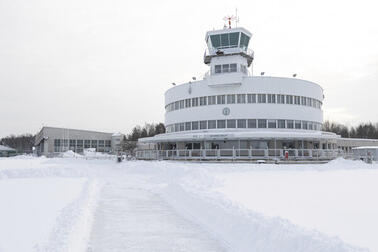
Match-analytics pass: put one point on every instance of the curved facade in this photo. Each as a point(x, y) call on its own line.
point(231, 109)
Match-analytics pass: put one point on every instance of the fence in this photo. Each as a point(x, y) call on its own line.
point(239, 154)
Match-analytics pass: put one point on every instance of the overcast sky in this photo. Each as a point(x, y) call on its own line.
point(105, 64)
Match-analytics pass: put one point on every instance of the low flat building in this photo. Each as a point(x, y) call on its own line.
point(51, 141)
point(6, 151)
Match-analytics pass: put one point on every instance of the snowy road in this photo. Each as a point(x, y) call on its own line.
point(132, 219)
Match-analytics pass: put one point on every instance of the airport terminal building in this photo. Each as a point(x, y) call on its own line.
point(51, 141)
point(232, 114)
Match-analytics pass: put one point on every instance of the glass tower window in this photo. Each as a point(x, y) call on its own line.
point(242, 123)
point(251, 123)
point(225, 40)
point(221, 124)
point(225, 68)
point(233, 68)
point(194, 125)
point(281, 124)
point(244, 40)
point(212, 124)
point(261, 123)
point(230, 99)
point(251, 98)
point(231, 123)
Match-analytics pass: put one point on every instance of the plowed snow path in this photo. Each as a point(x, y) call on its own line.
point(130, 219)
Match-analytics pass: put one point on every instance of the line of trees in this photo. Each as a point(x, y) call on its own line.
point(22, 143)
point(363, 130)
point(148, 130)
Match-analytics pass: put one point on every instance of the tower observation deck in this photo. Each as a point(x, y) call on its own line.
point(227, 42)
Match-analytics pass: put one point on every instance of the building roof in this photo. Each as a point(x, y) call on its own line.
point(240, 135)
point(6, 148)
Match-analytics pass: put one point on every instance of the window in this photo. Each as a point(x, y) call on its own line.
point(297, 100)
point(182, 104)
point(304, 125)
point(215, 40)
point(188, 126)
point(261, 123)
point(203, 101)
point(271, 98)
point(281, 99)
point(194, 102)
point(80, 143)
point(298, 124)
point(187, 103)
point(303, 100)
point(177, 105)
point(195, 125)
point(177, 127)
point(241, 98)
point(221, 99)
point(289, 99)
point(225, 68)
point(108, 143)
point(251, 98)
point(94, 144)
point(230, 99)
point(272, 124)
point(234, 39)
point(281, 124)
point(290, 124)
point(212, 124)
point(314, 103)
point(233, 68)
point(309, 102)
point(310, 125)
point(244, 40)
point(101, 143)
point(225, 40)
point(211, 100)
point(221, 124)
point(261, 98)
point(87, 143)
point(218, 69)
point(56, 142)
point(242, 123)
point(203, 124)
point(231, 123)
point(252, 123)
point(182, 127)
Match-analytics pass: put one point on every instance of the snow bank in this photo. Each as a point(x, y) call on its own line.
point(29, 208)
point(73, 226)
point(244, 230)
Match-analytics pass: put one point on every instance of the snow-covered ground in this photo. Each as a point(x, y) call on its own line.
point(75, 204)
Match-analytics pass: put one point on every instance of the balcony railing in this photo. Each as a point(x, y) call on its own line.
point(239, 154)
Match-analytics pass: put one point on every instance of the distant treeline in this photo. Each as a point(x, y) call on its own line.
point(148, 130)
point(363, 130)
point(22, 143)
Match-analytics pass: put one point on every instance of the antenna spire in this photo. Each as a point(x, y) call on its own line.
point(229, 19)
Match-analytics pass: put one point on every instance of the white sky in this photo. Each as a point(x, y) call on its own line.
point(105, 64)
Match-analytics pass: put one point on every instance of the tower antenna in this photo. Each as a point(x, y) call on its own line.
point(229, 19)
point(237, 17)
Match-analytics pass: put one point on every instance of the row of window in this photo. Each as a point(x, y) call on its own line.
point(229, 40)
point(82, 143)
point(243, 123)
point(243, 98)
point(229, 68)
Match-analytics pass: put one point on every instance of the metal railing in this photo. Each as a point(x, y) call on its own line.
point(239, 154)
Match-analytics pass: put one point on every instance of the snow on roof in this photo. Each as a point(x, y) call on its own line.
point(365, 147)
point(6, 148)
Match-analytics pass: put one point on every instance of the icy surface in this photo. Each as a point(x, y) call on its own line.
point(80, 204)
